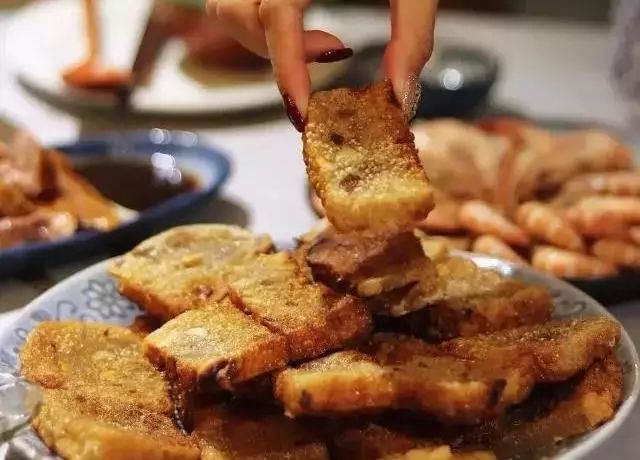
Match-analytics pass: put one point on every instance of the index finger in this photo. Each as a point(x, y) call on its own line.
point(282, 21)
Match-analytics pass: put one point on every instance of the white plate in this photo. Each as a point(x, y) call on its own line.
point(91, 295)
point(47, 36)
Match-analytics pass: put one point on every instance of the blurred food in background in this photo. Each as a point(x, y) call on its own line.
point(567, 203)
point(42, 198)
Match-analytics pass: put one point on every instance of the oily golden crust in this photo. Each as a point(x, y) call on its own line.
point(183, 268)
point(559, 348)
point(512, 304)
point(344, 260)
point(79, 427)
point(219, 344)
point(362, 162)
point(399, 372)
point(592, 401)
point(94, 360)
point(231, 431)
point(278, 294)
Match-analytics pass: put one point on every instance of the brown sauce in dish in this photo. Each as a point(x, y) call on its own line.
point(135, 184)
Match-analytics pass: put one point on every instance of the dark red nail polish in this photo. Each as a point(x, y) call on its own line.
point(293, 113)
point(335, 55)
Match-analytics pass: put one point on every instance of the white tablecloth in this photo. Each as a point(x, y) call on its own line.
point(549, 70)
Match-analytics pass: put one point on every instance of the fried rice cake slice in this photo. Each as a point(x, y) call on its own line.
point(313, 319)
point(219, 345)
point(96, 361)
point(362, 161)
point(182, 268)
point(81, 427)
point(238, 432)
point(592, 400)
point(372, 441)
point(460, 300)
point(368, 263)
point(511, 304)
point(401, 372)
point(559, 348)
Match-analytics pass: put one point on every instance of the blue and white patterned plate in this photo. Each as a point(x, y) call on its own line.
point(91, 295)
point(207, 165)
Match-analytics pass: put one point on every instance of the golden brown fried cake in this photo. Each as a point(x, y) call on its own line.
point(313, 319)
point(559, 348)
point(400, 372)
point(362, 161)
point(367, 263)
point(219, 345)
point(80, 427)
point(181, 269)
point(230, 432)
point(94, 361)
point(591, 402)
point(511, 304)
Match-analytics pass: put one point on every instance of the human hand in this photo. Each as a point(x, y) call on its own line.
point(274, 29)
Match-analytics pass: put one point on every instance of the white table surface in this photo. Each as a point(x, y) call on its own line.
point(548, 70)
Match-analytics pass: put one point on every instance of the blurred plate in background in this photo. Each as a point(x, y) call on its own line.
point(46, 37)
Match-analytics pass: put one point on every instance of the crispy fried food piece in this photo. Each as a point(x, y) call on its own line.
point(510, 304)
point(559, 348)
point(495, 247)
point(40, 225)
point(79, 427)
point(367, 263)
point(230, 432)
point(362, 162)
point(182, 268)
point(481, 218)
point(78, 197)
point(94, 361)
point(401, 372)
point(455, 278)
point(543, 222)
point(217, 345)
point(563, 263)
point(24, 165)
point(13, 202)
point(617, 252)
point(592, 401)
point(313, 319)
point(374, 442)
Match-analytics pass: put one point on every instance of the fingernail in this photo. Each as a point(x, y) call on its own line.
point(335, 55)
point(410, 96)
point(295, 117)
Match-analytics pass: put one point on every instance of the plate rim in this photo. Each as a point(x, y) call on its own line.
point(583, 447)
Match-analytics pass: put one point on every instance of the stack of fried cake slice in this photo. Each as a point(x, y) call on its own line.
point(271, 363)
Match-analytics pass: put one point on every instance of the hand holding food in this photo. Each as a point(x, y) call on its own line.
point(273, 29)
